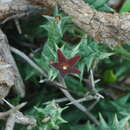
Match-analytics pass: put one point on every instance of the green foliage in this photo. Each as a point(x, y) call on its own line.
point(114, 124)
point(99, 5)
point(92, 52)
point(122, 51)
point(49, 117)
point(126, 6)
point(109, 76)
point(75, 85)
point(119, 106)
point(122, 105)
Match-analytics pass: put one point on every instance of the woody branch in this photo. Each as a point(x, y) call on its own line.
point(107, 28)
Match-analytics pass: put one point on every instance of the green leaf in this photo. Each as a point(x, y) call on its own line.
point(109, 76)
point(126, 6)
point(92, 52)
point(75, 85)
point(122, 51)
point(106, 8)
point(103, 125)
point(102, 121)
point(115, 121)
point(99, 5)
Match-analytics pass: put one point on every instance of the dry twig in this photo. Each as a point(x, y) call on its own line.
point(9, 76)
point(28, 60)
point(78, 105)
point(10, 122)
point(108, 28)
point(18, 25)
point(15, 116)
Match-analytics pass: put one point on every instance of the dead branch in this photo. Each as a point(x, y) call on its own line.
point(10, 122)
point(9, 74)
point(14, 7)
point(77, 104)
point(18, 9)
point(28, 60)
point(15, 116)
point(108, 28)
point(111, 29)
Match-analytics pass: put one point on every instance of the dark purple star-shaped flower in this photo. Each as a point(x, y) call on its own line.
point(64, 65)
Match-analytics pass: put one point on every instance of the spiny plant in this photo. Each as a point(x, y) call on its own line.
point(49, 117)
point(114, 124)
point(56, 28)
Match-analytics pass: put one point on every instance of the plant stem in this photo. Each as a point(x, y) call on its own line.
point(78, 105)
point(122, 51)
point(10, 122)
point(28, 60)
point(92, 82)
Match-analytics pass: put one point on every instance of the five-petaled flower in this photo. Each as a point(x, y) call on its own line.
point(64, 65)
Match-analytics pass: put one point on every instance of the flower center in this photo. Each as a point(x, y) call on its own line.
point(65, 67)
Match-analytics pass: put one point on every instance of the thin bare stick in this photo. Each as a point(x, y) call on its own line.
point(9, 104)
point(11, 114)
point(18, 25)
point(4, 115)
point(78, 101)
point(60, 100)
point(19, 117)
point(86, 98)
point(93, 104)
point(78, 105)
point(13, 107)
point(93, 85)
point(57, 84)
point(8, 59)
point(92, 81)
point(28, 60)
point(10, 122)
point(16, 16)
